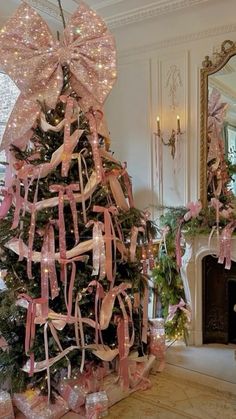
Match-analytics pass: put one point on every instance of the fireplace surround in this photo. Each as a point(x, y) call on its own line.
point(192, 275)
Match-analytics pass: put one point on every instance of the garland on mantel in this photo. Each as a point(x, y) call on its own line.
point(176, 225)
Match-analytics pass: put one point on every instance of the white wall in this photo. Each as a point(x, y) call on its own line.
point(147, 52)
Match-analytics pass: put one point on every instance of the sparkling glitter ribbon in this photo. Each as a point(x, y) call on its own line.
point(32, 232)
point(109, 237)
point(92, 117)
point(34, 60)
point(80, 158)
point(67, 150)
point(99, 257)
point(173, 308)
point(48, 269)
point(226, 244)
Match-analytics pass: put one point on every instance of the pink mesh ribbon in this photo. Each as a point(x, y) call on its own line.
point(226, 244)
point(34, 60)
point(99, 258)
point(181, 306)
point(109, 237)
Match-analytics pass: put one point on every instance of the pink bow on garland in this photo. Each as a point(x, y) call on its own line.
point(194, 210)
point(173, 308)
point(34, 60)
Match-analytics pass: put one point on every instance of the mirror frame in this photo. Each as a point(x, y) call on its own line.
point(228, 49)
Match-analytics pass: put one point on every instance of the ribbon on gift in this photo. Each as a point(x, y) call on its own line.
point(226, 244)
point(92, 117)
point(99, 258)
point(109, 237)
point(194, 210)
point(181, 306)
point(96, 411)
point(30, 325)
point(34, 61)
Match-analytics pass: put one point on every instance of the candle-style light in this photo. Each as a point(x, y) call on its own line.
point(178, 124)
point(175, 136)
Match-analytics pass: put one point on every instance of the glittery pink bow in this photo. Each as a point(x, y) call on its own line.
point(194, 209)
point(34, 60)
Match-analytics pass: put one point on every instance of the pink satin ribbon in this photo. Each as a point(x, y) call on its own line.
point(133, 241)
point(98, 297)
point(68, 191)
point(109, 237)
point(30, 326)
point(173, 308)
point(128, 185)
point(32, 231)
point(6, 202)
point(94, 141)
point(67, 151)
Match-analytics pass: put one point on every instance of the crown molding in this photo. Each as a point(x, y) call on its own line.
point(166, 43)
point(47, 7)
point(149, 11)
point(102, 4)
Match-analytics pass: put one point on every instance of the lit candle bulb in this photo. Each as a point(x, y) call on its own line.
point(178, 124)
point(158, 126)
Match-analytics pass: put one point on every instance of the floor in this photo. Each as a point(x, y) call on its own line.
point(182, 390)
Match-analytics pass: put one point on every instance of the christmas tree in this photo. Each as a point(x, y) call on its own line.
point(69, 229)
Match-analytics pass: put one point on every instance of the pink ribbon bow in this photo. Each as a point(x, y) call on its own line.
point(194, 209)
point(173, 308)
point(34, 61)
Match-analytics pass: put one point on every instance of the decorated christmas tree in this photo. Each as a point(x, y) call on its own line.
point(75, 290)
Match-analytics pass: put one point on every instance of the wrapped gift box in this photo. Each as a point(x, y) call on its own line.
point(6, 408)
point(35, 406)
point(96, 405)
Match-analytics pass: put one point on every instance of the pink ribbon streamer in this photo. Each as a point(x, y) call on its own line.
point(30, 326)
point(226, 244)
point(48, 269)
point(109, 237)
point(99, 295)
point(67, 151)
point(128, 185)
point(32, 232)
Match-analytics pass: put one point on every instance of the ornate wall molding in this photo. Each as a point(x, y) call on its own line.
point(151, 10)
point(177, 40)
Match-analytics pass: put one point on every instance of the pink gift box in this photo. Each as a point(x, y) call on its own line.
point(35, 406)
point(6, 408)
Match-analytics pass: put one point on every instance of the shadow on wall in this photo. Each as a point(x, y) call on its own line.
point(145, 199)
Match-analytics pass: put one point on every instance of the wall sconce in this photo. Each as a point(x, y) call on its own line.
point(175, 136)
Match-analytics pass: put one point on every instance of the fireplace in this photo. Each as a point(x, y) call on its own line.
point(210, 291)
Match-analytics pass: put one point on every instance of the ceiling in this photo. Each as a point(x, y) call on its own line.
point(117, 13)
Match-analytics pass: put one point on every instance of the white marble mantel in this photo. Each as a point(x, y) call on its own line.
point(191, 272)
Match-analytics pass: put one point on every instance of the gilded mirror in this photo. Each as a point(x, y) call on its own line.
point(218, 124)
